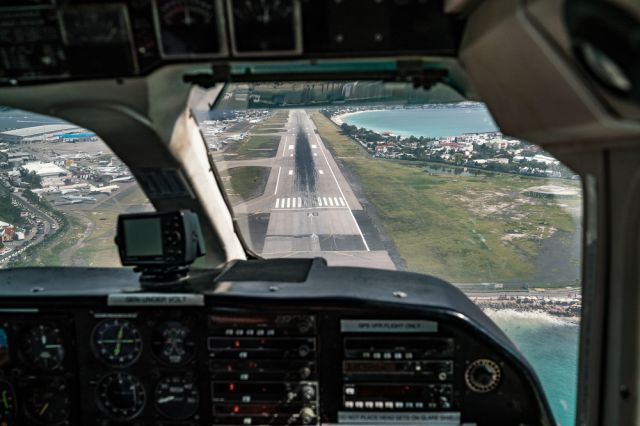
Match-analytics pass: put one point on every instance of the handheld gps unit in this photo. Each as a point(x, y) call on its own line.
point(160, 245)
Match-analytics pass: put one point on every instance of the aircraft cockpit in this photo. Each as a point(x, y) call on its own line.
point(305, 212)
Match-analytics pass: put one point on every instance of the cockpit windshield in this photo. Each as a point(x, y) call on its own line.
point(386, 176)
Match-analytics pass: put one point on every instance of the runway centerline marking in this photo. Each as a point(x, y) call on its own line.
point(290, 172)
point(277, 181)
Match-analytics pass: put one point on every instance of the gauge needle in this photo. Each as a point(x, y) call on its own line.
point(5, 399)
point(44, 408)
point(116, 351)
point(166, 399)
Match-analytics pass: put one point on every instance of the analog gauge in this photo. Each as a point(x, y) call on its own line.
point(188, 27)
point(117, 342)
point(120, 396)
point(94, 25)
point(177, 397)
point(42, 347)
point(7, 403)
point(47, 402)
point(265, 26)
point(172, 343)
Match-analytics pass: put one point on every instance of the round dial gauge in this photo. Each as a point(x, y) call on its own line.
point(47, 402)
point(42, 347)
point(117, 342)
point(265, 25)
point(177, 397)
point(7, 403)
point(120, 396)
point(188, 27)
point(172, 343)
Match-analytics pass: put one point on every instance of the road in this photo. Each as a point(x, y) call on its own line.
point(48, 228)
point(309, 203)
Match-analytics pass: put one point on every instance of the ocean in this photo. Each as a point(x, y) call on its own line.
point(17, 119)
point(428, 122)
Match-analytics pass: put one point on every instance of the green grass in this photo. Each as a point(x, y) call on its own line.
point(247, 182)
point(256, 146)
point(463, 229)
point(99, 248)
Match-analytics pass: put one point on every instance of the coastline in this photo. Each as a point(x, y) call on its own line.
point(339, 118)
point(563, 310)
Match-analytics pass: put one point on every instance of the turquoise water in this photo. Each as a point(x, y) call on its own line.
point(551, 347)
point(428, 122)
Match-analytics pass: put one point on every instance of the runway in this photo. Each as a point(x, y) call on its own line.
point(309, 203)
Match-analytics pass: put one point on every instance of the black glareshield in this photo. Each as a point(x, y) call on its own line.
point(164, 239)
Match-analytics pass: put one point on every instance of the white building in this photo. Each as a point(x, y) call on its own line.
point(35, 133)
point(44, 169)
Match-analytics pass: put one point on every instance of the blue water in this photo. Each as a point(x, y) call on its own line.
point(551, 347)
point(17, 119)
point(427, 122)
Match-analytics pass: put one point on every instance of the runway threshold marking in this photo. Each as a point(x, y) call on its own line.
point(299, 204)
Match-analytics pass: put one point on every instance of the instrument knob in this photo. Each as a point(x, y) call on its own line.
point(307, 415)
point(303, 351)
point(308, 393)
point(305, 372)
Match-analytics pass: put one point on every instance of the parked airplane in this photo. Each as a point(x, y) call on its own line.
point(122, 179)
point(79, 198)
point(103, 189)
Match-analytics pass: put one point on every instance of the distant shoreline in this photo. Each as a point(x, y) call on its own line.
point(563, 308)
point(339, 119)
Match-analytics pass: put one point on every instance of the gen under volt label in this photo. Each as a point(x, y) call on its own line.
point(425, 419)
point(388, 326)
point(155, 299)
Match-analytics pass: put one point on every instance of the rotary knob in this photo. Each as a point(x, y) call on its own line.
point(307, 415)
point(308, 393)
point(482, 375)
point(305, 373)
point(303, 351)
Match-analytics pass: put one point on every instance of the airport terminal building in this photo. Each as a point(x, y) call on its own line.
point(42, 133)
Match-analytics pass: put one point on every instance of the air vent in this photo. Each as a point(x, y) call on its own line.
point(163, 183)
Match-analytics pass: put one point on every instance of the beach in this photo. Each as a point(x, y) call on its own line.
point(564, 308)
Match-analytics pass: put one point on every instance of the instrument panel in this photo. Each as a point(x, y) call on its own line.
point(62, 39)
point(219, 358)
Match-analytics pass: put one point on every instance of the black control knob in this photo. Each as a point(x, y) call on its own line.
point(307, 415)
point(308, 393)
point(304, 351)
point(483, 375)
point(304, 325)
